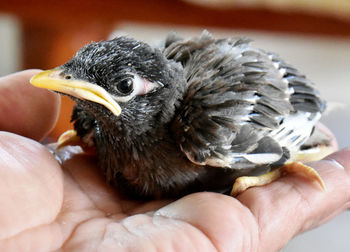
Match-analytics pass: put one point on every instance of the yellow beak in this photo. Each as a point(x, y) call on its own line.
point(51, 79)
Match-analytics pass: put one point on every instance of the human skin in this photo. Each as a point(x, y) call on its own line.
point(47, 206)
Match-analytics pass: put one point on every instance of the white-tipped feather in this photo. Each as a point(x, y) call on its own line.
point(295, 130)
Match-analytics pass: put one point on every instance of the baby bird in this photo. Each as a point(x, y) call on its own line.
point(199, 114)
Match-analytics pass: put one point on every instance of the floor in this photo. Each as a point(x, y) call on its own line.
point(325, 61)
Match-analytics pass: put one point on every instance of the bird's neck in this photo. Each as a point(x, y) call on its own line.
point(123, 140)
point(142, 158)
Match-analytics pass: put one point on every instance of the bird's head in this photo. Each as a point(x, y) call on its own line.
point(120, 81)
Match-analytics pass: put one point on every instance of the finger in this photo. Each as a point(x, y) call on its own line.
point(333, 142)
point(293, 205)
point(88, 183)
point(31, 185)
point(215, 219)
point(25, 109)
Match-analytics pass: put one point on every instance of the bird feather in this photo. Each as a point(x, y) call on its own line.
point(237, 98)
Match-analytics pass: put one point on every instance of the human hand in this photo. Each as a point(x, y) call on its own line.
point(46, 206)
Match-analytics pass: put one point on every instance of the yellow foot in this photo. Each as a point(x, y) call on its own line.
point(313, 154)
point(71, 138)
point(243, 183)
point(307, 171)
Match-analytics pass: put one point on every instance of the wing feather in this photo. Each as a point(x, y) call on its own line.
point(238, 101)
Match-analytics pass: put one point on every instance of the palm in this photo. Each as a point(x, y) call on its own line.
point(45, 206)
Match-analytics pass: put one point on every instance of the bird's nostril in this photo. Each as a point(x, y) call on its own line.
point(68, 77)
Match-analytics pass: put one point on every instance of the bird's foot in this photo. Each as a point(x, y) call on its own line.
point(243, 183)
point(70, 138)
point(307, 171)
point(314, 154)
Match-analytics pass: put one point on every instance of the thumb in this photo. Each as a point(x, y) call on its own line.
point(25, 109)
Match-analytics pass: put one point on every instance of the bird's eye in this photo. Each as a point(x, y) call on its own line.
point(125, 86)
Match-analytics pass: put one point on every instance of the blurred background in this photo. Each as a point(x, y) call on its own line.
point(314, 35)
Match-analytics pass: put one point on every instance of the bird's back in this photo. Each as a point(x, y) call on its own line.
point(244, 107)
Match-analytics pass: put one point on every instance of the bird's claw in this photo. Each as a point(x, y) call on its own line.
point(243, 183)
point(69, 137)
point(307, 171)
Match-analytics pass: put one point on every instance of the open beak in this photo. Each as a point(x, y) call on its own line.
point(51, 79)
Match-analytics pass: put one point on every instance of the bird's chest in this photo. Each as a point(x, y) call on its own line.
point(147, 166)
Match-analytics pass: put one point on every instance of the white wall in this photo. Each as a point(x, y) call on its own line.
point(10, 44)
